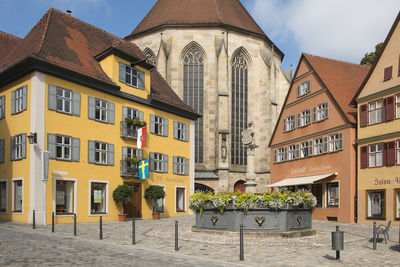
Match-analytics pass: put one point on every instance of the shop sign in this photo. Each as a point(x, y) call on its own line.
point(97, 196)
point(310, 169)
point(384, 181)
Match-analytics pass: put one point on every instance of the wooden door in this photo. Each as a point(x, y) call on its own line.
point(134, 207)
point(239, 186)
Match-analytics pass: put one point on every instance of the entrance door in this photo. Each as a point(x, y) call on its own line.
point(134, 207)
point(239, 186)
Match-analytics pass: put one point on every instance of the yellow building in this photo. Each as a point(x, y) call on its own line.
point(378, 102)
point(72, 86)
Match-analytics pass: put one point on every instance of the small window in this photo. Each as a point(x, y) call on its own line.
point(293, 152)
point(387, 74)
point(281, 154)
point(398, 106)
point(3, 196)
point(376, 155)
point(303, 88)
point(180, 199)
point(158, 125)
point(376, 204)
point(64, 197)
point(101, 110)
point(289, 123)
point(304, 118)
point(397, 205)
point(101, 153)
point(98, 198)
point(304, 150)
point(18, 147)
point(134, 77)
point(316, 190)
point(64, 100)
point(321, 112)
point(158, 162)
point(181, 165)
point(318, 146)
point(63, 147)
point(2, 107)
point(18, 195)
point(19, 100)
point(181, 131)
point(335, 142)
point(375, 111)
point(333, 195)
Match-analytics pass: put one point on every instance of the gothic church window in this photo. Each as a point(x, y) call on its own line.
point(193, 88)
point(239, 108)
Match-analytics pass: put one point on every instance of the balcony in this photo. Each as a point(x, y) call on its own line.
point(128, 130)
point(129, 170)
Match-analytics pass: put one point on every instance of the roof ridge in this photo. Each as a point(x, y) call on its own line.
point(48, 13)
point(340, 61)
point(6, 34)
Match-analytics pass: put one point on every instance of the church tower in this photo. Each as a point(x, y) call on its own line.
point(220, 62)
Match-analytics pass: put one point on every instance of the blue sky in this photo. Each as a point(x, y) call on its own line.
point(339, 29)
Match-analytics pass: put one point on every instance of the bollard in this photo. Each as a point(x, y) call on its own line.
point(33, 220)
point(74, 224)
point(374, 236)
point(52, 222)
point(133, 231)
point(101, 227)
point(176, 236)
point(241, 253)
point(337, 241)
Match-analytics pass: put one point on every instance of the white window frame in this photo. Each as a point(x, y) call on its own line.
point(129, 71)
point(291, 153)
point(334, 142)
point(305, 117)
point(101, 152)
point(373, 112)
point(370, 194)
point(129, 113)
point(398, 106)
point(18, 146)
point(290, 123)
point(185, 200)
point(75, 208)
point(19, 100)
point(158, 125)
point(318, 146)
point(63, 146)
point(181, 131)
point(65, 100)
point(302, 149)
point(13, 180)
point(158, 161)
point(376, 153)
point(165, 190)
point(107, 213)
point(322, 112)
point(304, 88)
point(98, 103)
point(280, 155)
point(6, 181)
point(180, 165)
point(326, 194)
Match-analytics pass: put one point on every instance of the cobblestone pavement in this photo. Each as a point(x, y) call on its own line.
point(21, 245)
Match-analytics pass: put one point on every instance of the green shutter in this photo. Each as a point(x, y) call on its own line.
point(51, 145)
point(122, 72)
point(152, 123)
point(186, 166)
point(24, 97)
point(187, 133)
point(110, 113)
point(13, 102)
point(52, 98)
point(91, 107)
point(141, 78)
point(175, 129)
point(110, 154)
point(76, 104)
point(284, 125)
point(174, 165)
point(325, 144)
point(151, 161)
point(23, 146)
point(91, 151)
point(75, 149)
point(165, 127)
point(310, 148)
point(165, 163)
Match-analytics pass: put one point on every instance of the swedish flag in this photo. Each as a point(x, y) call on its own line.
point(144, 169)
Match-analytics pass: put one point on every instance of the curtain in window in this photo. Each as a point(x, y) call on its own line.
point(193, 87)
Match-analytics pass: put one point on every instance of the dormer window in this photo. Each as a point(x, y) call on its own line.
point(131, 76)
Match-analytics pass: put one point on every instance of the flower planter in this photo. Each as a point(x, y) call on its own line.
point(122, 217)
point(156, 216)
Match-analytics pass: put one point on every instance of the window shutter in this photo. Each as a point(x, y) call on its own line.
point(152, 123)
point(151, 159)
point(309, 85)
point(76, 145)
point(187, 133)
point(175, 165)
point(51, 145)
point(310, 148)
point(389, 108)
point(284, 125)
point(124, 113)
point(140, 115)
point(327, 110)
point(124, 152)
point(186, 166)
point(91, 107)
point(140, 154)
point(24, 97)
point(175, 129)
point(340, 141)
point(1, 150)
point(52, 98)
point(363, 115)
point(297, 153)
point(13, 102)
point(391, 154)
point(110, 154)
point(76, 104)
point(110, 113)
point(325, 144)
point(385, 152)
point(364, 157)
point(140, 79)
point(3, 105)
point(275, 155)
point(165, 163)
point(298, 119)
point(122, 72)
point(285, 153)
point(398, 72)
point(298, 90)
point(12, 148)
point(91, 151)
point(314, 114)
point(124, 128)
point(165, 127)
point(387, 75)
point(23, 146)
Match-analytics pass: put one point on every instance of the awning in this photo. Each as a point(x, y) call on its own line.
point(301, 180)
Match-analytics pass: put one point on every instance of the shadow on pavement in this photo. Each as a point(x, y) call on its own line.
point(395, 247)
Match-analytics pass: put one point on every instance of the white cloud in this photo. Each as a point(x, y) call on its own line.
point(339, 29)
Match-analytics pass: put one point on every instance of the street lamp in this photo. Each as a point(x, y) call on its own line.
point(32, 138)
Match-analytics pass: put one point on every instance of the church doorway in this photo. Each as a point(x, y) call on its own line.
point(239, 186)
point(134, 207)
point(202, 188)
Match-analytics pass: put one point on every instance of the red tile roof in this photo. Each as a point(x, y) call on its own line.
point(341, 78)
point(64, 41)
point(7, 42)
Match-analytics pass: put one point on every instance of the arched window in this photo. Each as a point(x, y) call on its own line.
point(151, 57)
point(239, 108)
point(193, 85)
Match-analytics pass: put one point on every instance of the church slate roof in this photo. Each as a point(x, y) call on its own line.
point(229, 14)
point(62, 41)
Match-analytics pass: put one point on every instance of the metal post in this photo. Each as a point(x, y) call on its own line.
point(52, 222)
point(133, 231)
point(176, 236)
point(33, 220)
point(101, 227)
point(337, 251)
point(374, 236)
point(74, 224)
point(241, 255)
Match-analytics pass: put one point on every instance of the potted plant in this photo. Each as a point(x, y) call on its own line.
point(154, 192)
point(122, 194)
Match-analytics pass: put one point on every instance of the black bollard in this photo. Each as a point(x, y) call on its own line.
point(52, 222)
point(176, 236)
point(74, 224)
point(33, 220)
point(133, 231)
point(374, 237)
point(101, 227)
point(241, 253)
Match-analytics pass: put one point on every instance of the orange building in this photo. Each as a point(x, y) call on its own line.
point(313, 144)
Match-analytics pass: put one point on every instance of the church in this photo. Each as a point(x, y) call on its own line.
point(221, 64)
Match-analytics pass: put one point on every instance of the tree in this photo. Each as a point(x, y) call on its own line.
point(370, 58)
